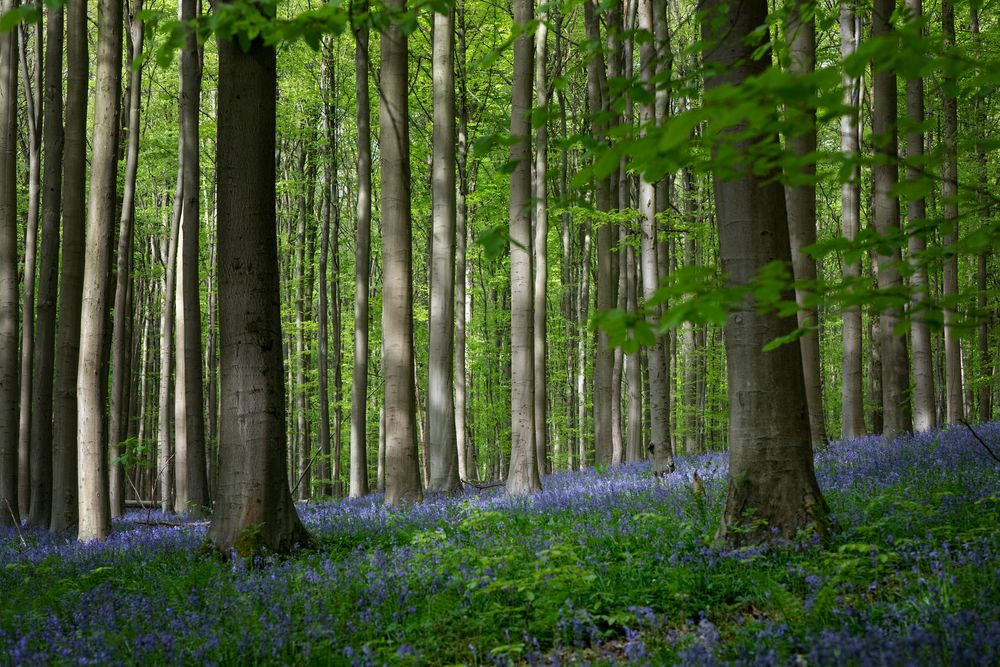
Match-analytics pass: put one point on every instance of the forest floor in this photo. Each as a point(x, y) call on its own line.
point(602, 568)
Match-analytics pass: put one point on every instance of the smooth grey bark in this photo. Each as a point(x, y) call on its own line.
point(771, 476)
point(540, 247)
point(924, 417)
point(122, 324)
point(443, 447)
point(522, 476)
point(328, 483)
point(983, 330)
point(605, 284)
point(949, 202)
point(362, 269)
point(633, 366)
point(64, 429)
point(95, 510)
point(9, 512)
point(852, 415)
point(692, 351)
point(165, 462)
point(192, 496)
point(656, 363)
point(48, 270)
point(254, 511)
point(402, 472)
point(885, 174)
point(32, 82)
point(303, 474)
point(800, 198)
point(463, 296)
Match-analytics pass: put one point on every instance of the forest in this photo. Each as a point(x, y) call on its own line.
point(499, 332)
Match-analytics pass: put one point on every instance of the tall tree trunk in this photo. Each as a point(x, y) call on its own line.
point(303, 475)
point(603, 355)
point(95, 510)
point(949, 201)
point(895, 364)
point(166, 465)
point(64, 436)
point(916, 213)
point(443, 454)
point(362, 262)
point(463, 297)
point(985, 357)
point(254, 509)
point(522, 476)
point(541, 242)
point(801, 202)
point(45, 325)
point(771, 459)
point(34, 141)
point(402, 473)
point(692, 352)
point(656, 363)
point(328, 482)
point(122, 326)
point(852, 416)
point(9, 513)
point(192, 496)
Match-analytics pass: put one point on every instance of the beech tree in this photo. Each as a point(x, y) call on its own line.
point(254, 509)
point(8, 279)
point(771, 475)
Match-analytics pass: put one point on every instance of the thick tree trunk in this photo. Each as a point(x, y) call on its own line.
point(362, 261)
point(9, 512)
point(949, 201)
point(916, 211)
point(522, 476)
point(443, 454)
point(254, 510)
point(656, 363)
point(402, 473)
point(64, 435)
point(771, 473)
point(95, 510)
point(852, 416)
point(541, 242)
point(45, 325)
point(895, 362)
point(122, 326)
point(801, 203)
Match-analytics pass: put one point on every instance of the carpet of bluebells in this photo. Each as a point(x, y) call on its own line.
point(602, 567)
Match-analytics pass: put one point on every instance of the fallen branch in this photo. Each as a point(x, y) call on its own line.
point(981, 441)
point(481, 487)
point(171, 524)
point(17, 524)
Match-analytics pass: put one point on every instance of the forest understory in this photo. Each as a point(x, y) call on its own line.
point(605, 566)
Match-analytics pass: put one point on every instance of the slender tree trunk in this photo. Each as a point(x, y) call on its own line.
point(126, 242)
point(541, 242)
point(95, 510)
point(9, 513)
point(692, 352)
point(916, 209)
point(656, 364)
point(328, 482)
point(45, 325)
point(463, 297)
point(303, 474)
point(254, 510)
point(362, 261)
point(402, 473)
point(949, 201)
point(852, 397)
point(34, 141)
point(895, 364)
point(64, 428)
point(193, 496)
point(443, 454)
point(165, 461)
point(801, 202)
point(771, 459)
point(985, 357)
